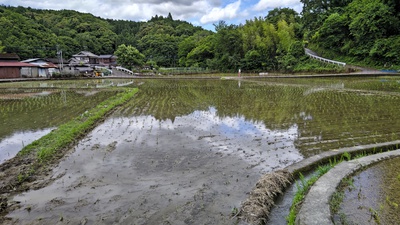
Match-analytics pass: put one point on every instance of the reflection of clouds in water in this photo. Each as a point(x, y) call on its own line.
point(205, 130)
point(200, 121)
point(10, 146)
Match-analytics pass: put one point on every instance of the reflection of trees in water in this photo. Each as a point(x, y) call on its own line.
point(43, 111)
point(327, 119)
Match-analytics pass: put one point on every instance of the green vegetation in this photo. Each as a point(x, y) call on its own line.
point(129, 56)
point(304, 186)
point(1, 47)
point(272, 43)
point(302, 190)
point(365, 31)
point(362, 32)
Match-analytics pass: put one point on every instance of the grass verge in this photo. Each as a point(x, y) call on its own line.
point(304, 185)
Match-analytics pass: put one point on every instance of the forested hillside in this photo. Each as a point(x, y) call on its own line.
point(361, 30)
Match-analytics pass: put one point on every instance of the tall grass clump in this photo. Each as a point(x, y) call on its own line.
point(303, 186)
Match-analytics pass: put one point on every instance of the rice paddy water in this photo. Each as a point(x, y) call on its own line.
point(189, 151)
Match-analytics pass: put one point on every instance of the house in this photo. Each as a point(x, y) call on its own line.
point(15, 69)
point(84, 57)
point(10, 67)
point(45, 68)
point(85, 63)
point(58, 62)
point(108, 60)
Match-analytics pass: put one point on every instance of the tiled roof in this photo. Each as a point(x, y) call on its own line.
point(85, 53)
point(107, 56)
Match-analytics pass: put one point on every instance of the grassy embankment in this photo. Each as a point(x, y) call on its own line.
point(65, 135)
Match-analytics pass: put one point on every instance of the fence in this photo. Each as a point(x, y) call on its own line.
point(119, 68)
point(325, 60)
point(183, 70)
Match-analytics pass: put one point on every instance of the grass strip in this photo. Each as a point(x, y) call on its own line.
point(67, 133)
point(302, 190)
point(304, 186)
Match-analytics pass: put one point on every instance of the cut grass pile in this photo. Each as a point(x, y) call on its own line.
point(256, 208)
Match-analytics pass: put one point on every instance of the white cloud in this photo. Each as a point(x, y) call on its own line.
point(271, 4)
point(198, 12)
point(218, 13)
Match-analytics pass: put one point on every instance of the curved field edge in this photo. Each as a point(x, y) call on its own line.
point(34, 162)
point(257, 207)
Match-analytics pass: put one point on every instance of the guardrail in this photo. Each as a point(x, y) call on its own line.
point(325, 60)
point(119, 68)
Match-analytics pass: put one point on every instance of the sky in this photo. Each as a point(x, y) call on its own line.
point(203, 13)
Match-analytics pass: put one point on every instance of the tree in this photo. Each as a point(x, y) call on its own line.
point(169, 17)
point(129, 56)
point(316, 11)
point(1, 47)
point(334, 32)
point(287, 14)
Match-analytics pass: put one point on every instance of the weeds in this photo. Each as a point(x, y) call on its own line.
point(302, 190)
point(305, 185)
point(335, 202)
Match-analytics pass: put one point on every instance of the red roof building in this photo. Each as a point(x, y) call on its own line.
point(12, 69)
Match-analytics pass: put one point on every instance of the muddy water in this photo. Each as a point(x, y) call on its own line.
point(26, 114)
point(373, 197)
point(140, 170)
point(10, 146)
point(188, 152)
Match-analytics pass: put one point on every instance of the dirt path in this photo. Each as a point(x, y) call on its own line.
point(138, 170)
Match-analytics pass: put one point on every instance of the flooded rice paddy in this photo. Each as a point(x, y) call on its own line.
point(372, 196)
point(189, 152)
point(30, 110)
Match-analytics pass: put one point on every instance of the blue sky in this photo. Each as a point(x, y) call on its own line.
point(198, 12)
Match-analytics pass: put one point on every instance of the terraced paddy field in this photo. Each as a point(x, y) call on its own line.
point(190, 151)
point(372, 196)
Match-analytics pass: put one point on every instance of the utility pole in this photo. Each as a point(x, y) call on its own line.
point(60, 58)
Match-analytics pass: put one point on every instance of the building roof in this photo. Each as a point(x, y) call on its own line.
point(85, 53)
point(16, 64)
point(49, 65)
point(42, 63)
point(9, 57)
point(57, 61)
point(107, 56)
point(32, 60)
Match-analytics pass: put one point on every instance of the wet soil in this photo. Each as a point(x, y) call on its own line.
point(189, 153)
point(372, 196)
point(139, 170)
